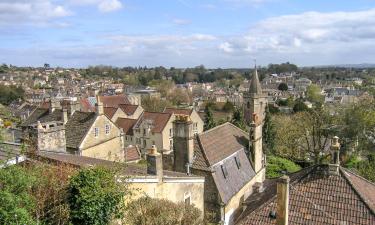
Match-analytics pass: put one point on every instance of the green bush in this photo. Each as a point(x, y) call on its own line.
point(95, 197)
point(149, 211)
point(17, 205)
point(277, 165)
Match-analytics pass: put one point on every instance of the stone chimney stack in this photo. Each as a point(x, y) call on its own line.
point(154, 163)
point(99, 106)
point(183, 143)
point(54, 104)
point(65, 116)
point(335, 148)
point(282, 200)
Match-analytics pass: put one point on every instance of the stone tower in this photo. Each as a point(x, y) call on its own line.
point(254, 101)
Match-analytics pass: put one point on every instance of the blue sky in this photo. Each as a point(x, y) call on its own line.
point(185, 33)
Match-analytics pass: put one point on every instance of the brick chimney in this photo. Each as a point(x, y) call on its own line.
point(282, 200)
point(99, 106)
point(183, 143)
point(335, 148)
point(154, 163)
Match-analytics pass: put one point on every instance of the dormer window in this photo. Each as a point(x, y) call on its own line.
point(225, 171)
point(107, 129)
point(238, 162)
point(96, 132)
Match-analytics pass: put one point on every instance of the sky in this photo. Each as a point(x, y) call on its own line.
point(186, 33)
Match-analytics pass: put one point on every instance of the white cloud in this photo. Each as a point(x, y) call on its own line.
point(109, 5)
point(102, 5)
point(226, 47)
point(178, 21)
point(31, 12)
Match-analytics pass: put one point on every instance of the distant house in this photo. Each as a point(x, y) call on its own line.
point(194, 116)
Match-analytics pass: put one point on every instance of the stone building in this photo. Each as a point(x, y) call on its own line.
point(221, 155)
point(254, 101)
point(93, 134)
point(231, 160)
point(194, 117)
point(146, 180)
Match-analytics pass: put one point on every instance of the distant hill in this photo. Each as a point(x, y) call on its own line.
point(359, 66)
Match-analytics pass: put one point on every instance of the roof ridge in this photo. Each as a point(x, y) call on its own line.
point(366, 201)
point(221, 125)
point(357, 175)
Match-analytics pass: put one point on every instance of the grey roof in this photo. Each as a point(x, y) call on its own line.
point(77, 127)
point(255, 87)
point(236, 179)
point(43, 115)
point(221, 147)
point(9, 152)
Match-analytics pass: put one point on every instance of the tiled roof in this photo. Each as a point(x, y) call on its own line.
point(77, 127)
point(236, 178)
point(316, 198)
point(110, 111)
point(128, 109)
point(83, 161)
point(222, 141)
point(114, 100)
point(178, 111)
point(158, 120)
point(132, 154)
point(43, 116)
point(126, 125)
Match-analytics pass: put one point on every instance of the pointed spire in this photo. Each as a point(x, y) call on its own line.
point(255, 87)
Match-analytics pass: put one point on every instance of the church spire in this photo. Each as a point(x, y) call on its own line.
point(255, 87)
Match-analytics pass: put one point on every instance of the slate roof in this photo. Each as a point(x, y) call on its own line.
point(316, 198)
point(222, 141)
point(126, 125)
point(77, 127)
point(158, 120)
point(128, 109)
point(186, 112)
point(218, 149)
point(43, 116)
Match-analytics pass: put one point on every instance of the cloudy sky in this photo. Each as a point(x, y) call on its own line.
point(183, 33)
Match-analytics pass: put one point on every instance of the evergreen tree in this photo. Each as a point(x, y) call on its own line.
point(269, 132)
point(238, 119)
point(208, 119)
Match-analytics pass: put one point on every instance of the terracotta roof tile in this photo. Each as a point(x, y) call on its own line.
point(126, 125)
point(178, 111)
point(110, 111)
point(157, 120)
point(128, 109)
point(132, 154)
point(114, 100)
point(316, 198)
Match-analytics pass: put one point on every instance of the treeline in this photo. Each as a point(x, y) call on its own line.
point(200, 74)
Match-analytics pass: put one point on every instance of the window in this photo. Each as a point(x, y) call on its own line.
point(153, 142)
point(131, 138)
point(248, 105)
point(171, 144)
point(96, 131)
point(144, 143)
point(238, 162)
point(107, 129)
point(144, 131)
point(225, 171)
point(170, 132)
